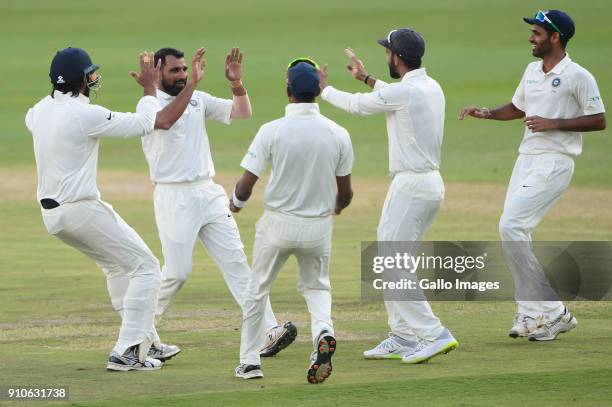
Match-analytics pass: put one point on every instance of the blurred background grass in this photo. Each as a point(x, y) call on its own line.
point(476, 49)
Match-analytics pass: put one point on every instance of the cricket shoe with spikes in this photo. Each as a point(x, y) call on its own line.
point(278, 338)
point(321, 358)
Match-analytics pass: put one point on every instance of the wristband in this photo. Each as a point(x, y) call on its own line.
point(488, 112)
point(236, 84)
point(366, 79)
point(237, 202)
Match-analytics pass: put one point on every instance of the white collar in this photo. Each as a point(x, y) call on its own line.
point(557, 69)
point(65, 97)
point(163, 95)
point(413, 73)
point(301, 109)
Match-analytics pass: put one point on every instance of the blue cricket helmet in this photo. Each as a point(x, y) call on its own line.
point(70, 65)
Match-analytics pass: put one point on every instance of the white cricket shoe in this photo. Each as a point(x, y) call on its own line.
point(129, 361)
point(522, 326)
point(278, 338)
point(164, 352)
point(390, 348)
point(245, 371)
point(428, 349)
point(549, 330)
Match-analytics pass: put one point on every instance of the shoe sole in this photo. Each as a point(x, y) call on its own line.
point(571, 325)
point(390, 356)
point(251, 375)
point(167, 357)
point(115, 367)
point(284, 341)
point(322, 367)
point(444, 350)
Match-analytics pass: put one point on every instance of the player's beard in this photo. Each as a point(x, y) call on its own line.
point(172, 88)
point(542, 49)
point(393, 71)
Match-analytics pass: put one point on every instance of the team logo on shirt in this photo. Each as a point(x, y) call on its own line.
point(380, 96)
point(556, 82)
point(193, 102)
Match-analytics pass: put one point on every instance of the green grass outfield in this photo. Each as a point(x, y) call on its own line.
point(56, 323)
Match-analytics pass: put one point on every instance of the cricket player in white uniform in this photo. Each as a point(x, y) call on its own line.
point(414, 108)
point(558, 100)
point(310, 155)
point(188, 204)
point(66, 130)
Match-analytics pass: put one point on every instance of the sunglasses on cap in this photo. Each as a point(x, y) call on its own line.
point(542, 18)
point(303, 59)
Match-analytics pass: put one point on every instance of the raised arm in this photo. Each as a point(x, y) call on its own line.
point(357, 69)
point(382, 99)
point(241, 107)
point(97, 121)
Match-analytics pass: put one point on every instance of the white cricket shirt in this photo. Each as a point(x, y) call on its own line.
point(182, 153)
point(415, 118)
point(565, 92)
point(307, 152)
point(66, 132)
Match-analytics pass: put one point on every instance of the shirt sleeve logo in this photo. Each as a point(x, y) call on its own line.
point(556, 82)
point(193, 102)
point(380, 96)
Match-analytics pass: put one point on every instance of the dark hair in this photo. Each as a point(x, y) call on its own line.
point(73, 87)
point(412, 62)
point(164, 52)
point(303, 97)
point(562, 38)
point(306, 97)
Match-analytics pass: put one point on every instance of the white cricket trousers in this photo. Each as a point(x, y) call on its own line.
point(412, 202)
point(538, 181)
point(131, 269)
point(185, 212)
point(278, 236)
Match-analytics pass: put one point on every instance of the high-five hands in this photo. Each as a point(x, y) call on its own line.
point(149, 74)
point(198, 63)
point(356, 66)
point(233, 65)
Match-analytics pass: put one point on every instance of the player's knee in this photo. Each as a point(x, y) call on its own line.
point(149, 265)
point(317, 285)
point(177, 274)
point(511, 229)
